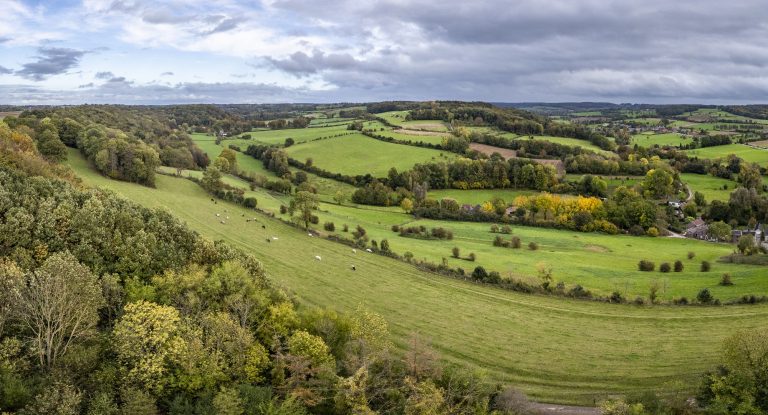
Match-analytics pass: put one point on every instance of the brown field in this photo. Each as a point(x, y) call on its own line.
point(507, 154)
point(427, 126)
point(9, 114)
point(760, 144)
point(421, 132)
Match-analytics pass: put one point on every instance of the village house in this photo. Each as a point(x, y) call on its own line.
point(698, 229)
point(758, 232)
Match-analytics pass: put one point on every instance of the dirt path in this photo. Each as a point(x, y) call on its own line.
point(553, 409)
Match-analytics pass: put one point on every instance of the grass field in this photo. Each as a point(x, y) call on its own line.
point(710, 186)
point(299, 135)
point(357, 154)
point(670, 139)
point(568, 142)
point(555, 349)
point(476, 197)
point(404, 136)
point(747, 153)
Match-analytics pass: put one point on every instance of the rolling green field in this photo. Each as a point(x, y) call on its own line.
point(670, 139)
point(747, 153)
point(399, 135)
point(568, 142)
point(357, 154)
point(299, 135)
point(476, 197)
point(557, 350)
point(710, 186)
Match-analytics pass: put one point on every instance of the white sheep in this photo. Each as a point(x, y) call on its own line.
point(227, 217)
point(317, 257)
point(274, 238)
point(309, 234)
point(354, 251)
point(217, 215)
point(223, 223)
point(368, 250)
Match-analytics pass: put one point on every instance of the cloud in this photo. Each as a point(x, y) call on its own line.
point(4, 70)
point(128, 92)
point(104, 75)
point(301, 64)
point(51, 61)
point(167, 73)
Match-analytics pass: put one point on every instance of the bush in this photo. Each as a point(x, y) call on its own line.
point(679, 266)
point(665, 267)
point(704, 296)
point(705, 266)
point(250, 202)
point(385, 245)
point(506, 229)
point(283, 209)
point(726, 280)
point(498, 241)
point(691, 255)
point(471, 256)
point(516, 243)
point(345, 228)
point(395, 228)
point(314, 219)
point(494, 228)
point(680, 301)
point(494, 277)
point(479, 273)
point(645, 265)
point(636, 230)
point(329, 226)
point(533, 246)
point(616, 298)
point(653, 232)
point(455, 252)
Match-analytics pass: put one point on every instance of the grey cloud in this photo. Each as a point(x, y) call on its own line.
point(166, 74)
point(4, 39)
point(4, 70)
point(104, 75)
point(225, 25)
point(301, 64)
point(51, 61)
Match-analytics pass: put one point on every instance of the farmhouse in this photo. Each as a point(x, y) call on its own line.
point(698, 229)
point(758, 232)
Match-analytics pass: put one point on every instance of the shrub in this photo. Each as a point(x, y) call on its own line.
point(359, 232)
point(494, 277)
point(533, 246)
point(616, 298)
point(665, 267)
point(479, 273)
point(442, 233)
point(680, 301)
point(345, 228)
point(471, 256)
point(506, 229)
point(408, 255)
point(726, 280)
point(455, 252)
point(314, 219)
point(652, 231)
point(645, 265)
point(579, 292)
point(704, 296)
point(691, 255)
point(498, 241)
point(494, 228)
point(283, 209)
point(250, 202)
point(679, 266)
point(636, 230)
point(395, 228)
point(329, 226)
point(384, 245)
point(516, 243)
point(705, 266)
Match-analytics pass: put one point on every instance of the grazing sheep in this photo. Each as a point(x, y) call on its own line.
point(227, 217)
point(263, 227)
point(354, 251)
point(223, 223)
point(354, 268)
point(317, 257)
point(217, 215)
point(309, 234)
point(368, 250)
point(269, 240)
point(274, 238)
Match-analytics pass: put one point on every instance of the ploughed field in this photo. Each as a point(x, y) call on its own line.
point(556, 349)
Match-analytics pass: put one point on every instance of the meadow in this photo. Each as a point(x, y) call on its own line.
point(361, 155)
point(555, 349)
point(299, 135)
point(567, 141)
point(750, 154)
point(476, 197)
point(668, 139)
point(713, 188)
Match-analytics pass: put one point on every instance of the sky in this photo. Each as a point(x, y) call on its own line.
point(269, 51)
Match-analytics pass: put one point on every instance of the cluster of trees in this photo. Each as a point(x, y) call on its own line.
point(586, 214)
point(151, 318)
point(118, 155)
point(45, 133)
point(524, 148)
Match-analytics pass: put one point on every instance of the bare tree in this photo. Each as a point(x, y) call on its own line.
point(58, 304)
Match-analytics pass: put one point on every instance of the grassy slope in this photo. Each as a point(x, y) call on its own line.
point(557, 350)
point(745, 152)
point(649, 140)
point(357, 154)
point(710, 186)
